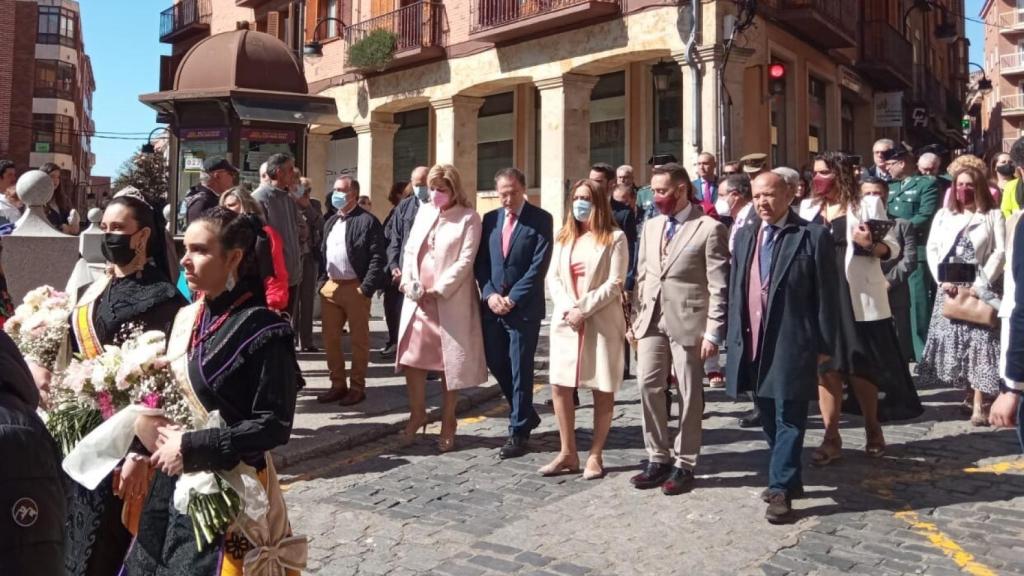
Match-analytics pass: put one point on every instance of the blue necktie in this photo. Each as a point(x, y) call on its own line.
point(672, 224)
point(766, 252)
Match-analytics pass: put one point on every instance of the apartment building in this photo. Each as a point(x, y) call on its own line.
point(1001, 111)
point(551, 86)
point(46, 91)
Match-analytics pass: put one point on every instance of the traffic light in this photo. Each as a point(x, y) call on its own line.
point(776, 78)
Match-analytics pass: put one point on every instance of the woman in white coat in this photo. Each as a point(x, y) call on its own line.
point(440, 327)
point(962, 354)
point(588, 327)
point(867, 357)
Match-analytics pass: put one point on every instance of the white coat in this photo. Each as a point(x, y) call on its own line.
point(987, 233)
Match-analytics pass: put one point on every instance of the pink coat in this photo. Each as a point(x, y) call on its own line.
point(458, 302)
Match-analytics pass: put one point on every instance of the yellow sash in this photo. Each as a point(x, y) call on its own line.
point(89, 344)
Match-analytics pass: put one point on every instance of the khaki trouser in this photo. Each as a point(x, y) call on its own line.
point(342, 303)
point(657, 355)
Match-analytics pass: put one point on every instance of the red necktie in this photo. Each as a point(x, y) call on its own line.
point(506, 233)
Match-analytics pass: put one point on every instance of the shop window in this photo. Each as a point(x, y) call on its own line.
point(412, 142)
point(56, 26)
point(778, 113)
point(495, 133)
point(608, 120)
point(55, 79)
point(668, 116)
point(817, 107)
point(52, 133)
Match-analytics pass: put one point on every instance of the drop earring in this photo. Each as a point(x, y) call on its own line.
point(230, 284)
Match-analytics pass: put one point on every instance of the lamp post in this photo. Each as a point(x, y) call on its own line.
point(945, 31)
point(148, 147)
point(662, 75)
point(314, 47)
point(984, 84)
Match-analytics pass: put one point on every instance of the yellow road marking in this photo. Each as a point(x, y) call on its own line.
point(998, 468)
point(965, 560)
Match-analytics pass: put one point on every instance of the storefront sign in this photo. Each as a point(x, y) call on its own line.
point(42, 147)
point(193, 163)
point(889, 109)
point(268, 135)
point(203, 133)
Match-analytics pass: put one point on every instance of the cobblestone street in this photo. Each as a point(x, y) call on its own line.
point(946, 499)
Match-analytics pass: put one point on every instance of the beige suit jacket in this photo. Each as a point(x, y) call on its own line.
point(688, 286)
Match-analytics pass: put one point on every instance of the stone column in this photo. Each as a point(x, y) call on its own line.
point(376, 165)
point(565, 135)
point(455, 137)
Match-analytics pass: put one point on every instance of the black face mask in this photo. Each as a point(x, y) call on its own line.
point(1006, 169)
point(117, 248)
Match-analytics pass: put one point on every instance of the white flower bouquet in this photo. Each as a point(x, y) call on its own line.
point(40, 325)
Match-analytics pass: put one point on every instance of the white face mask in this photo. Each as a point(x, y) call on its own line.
point(722, 206)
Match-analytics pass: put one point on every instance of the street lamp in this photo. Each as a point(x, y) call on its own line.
point(662, 74)
point(945, 32)
point(148, 147)
point(314, 47)
point(984, 84)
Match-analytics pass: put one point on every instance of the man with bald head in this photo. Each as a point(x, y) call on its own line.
point(928, 164)
point(783, 297)
point(399, 227)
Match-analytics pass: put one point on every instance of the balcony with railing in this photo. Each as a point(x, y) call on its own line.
point(420, 34)
point(887, 57)
point(1011, 22)
point(500, 21)
point(1012, 105)
point(827, 24)
point(1011, 64)
point(185, 19)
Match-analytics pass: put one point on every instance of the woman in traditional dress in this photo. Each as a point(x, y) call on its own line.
point(136, 292)
point(229, 353)
point(440, 328)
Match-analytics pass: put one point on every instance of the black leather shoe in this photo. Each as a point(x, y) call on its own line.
point(654, 475)
point(779, 509)
point(388, 352)
point(751, 419)
point(514, 447)
point(679, 481)
point(794, 493)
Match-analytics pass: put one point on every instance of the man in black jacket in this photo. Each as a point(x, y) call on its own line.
point(218, 177)
point(354, 249)
point(398, 232)
point(32, 505)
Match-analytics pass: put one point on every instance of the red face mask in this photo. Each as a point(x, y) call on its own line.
point(821, 185)
point(964, 195)
point(665, 204)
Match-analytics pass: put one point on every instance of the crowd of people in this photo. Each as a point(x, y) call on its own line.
point(820, 286)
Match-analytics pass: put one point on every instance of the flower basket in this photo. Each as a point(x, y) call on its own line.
point(374, 51)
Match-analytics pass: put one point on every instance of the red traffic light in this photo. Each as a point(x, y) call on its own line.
point(776, 71)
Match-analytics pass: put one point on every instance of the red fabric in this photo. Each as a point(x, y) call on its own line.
point(506, 233)
point(276, 286)
point(706, 203)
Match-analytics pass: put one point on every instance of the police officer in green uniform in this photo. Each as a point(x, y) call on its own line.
point(915, 198)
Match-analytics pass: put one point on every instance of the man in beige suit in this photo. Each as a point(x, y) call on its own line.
point(682, 276)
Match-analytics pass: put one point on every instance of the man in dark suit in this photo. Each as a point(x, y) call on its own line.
point(515, 250)
point(705, 185)
point(782, 325)
point(397, 232)
point(1008, 410)
point(898, 270)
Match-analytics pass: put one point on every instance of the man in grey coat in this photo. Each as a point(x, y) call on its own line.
point(283, 216)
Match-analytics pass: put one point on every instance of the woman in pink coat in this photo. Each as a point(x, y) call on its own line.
point(440, 328)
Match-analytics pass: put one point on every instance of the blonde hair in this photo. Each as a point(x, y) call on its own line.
point(249, 204)
point(453, 180)
point(602, 225)
point(966, 161)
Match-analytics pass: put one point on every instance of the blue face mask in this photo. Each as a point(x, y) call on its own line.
point(421, 192)
point(581, 210)
point(339, 200)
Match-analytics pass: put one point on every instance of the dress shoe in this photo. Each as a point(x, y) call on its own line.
point(679, 481)
point(751, 419)
point(594, 469)
point(433, 376)
point(514, 447)
point(562, 464)
point(779, 509)
point(388, 352)
point(654, 475)
point(352, 397)
point(793, 493)
point(310, 349)
point(331, 396)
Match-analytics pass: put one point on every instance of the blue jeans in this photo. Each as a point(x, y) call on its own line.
point(510, 354)
point(784, 423)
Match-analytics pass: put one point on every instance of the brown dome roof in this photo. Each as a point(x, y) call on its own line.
point(241, 59)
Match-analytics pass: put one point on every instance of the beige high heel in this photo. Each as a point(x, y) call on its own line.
point(562, 464)
point(592, 474)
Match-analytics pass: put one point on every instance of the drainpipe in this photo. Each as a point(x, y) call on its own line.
point(690, 58)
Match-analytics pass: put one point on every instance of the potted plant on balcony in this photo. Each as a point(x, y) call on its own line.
point(373, 51)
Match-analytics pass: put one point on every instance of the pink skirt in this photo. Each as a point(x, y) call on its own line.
point(421, 345)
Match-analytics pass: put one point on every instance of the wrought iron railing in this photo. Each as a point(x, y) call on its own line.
point(184, 14)
point(417, 25)
point(845, 14)
point(487, 14)
point(884, 44)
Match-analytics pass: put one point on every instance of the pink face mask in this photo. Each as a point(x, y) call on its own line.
point(821, 184)
point(441, 199)
point(964, 194)
point(665, 204)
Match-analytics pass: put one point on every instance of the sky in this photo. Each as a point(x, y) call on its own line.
point(123, 39)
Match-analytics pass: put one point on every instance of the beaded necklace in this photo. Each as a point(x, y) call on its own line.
point(218, 321)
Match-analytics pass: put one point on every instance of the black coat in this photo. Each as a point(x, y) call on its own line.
point(399, 224)
point(1015, 349)
point(626, 219)
point(802, 318)
point(32, 501)
point(199, 200)
point(364, 237)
